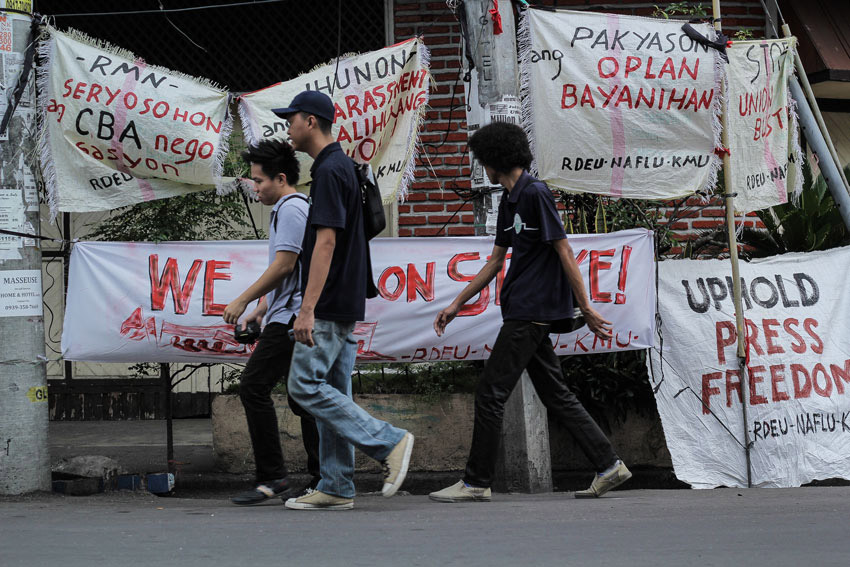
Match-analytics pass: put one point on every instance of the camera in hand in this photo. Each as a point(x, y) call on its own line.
point(248, 333)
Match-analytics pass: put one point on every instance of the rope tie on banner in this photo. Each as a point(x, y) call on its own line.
point(719, 45)
point(722, 152)
point(496, 17)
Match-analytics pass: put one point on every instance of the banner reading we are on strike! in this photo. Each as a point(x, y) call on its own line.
point(130, 302)
point(798, 370)
point(620, 105)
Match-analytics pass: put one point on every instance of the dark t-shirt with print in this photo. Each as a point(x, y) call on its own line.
point(335, 203)
point(535, 287)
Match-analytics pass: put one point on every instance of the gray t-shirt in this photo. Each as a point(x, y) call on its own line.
point(286, 232)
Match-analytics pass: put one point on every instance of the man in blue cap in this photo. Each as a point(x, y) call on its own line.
point(333, 284)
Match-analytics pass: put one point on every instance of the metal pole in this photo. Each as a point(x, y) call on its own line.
point(24, 455)
point(165, 376)
point(736, 277)
point(818, 143)
point(815, 110)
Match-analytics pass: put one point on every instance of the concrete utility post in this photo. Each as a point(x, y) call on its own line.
point(24, 458)
point(525, 464)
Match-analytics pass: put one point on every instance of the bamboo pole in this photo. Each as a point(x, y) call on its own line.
point(733, 256)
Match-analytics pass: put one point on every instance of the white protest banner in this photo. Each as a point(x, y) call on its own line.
point(119, 131)
point(620, 105)
point(798, 394)
point(380, 99)
point(764, 146)
point(131, 302)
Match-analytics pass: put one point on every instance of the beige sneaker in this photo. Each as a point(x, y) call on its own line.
point(603, 483)
point(395, 465)
point(459, 492)
point(318, 500)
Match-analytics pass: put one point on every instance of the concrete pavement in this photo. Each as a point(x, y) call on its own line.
point(775, 527)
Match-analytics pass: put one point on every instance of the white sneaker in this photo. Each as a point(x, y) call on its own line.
point(460, 492)
point(395, 465)
point(603, 483)
point(318, 500)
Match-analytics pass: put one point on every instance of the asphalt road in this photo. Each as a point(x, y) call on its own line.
point(775, 527)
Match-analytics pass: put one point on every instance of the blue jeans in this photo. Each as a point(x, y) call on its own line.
point(320, 382)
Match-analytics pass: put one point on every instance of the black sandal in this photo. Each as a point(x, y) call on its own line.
point(271, 489)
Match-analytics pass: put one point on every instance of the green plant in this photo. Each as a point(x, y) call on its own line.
point(587, 213)
point(743, 34)
point(680, 9)
point(430, 380)
point(196, 216)
point(144, 370)
point(610, 385)
point(814, 223)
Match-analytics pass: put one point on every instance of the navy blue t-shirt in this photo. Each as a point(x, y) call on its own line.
point(335, 203)
point(535, 287)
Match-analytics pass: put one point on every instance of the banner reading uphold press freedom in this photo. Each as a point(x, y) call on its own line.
point(119, 131)
point(764, 145)
point(620, 105)
point(130, 302)
point(380, 99)
point(798, 399)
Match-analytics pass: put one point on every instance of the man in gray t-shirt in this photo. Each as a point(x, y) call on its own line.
point(274, 170)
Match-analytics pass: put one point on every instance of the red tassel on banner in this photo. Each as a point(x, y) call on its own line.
point(497, 18)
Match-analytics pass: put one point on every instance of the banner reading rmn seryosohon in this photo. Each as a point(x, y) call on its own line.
point(119, 131)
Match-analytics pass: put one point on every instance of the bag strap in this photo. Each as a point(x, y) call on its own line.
point(287, 198)
point(298, 259)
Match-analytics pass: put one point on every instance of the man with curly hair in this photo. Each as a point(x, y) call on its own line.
point(540, 291)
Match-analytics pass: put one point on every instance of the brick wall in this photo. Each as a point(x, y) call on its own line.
point(444, 165)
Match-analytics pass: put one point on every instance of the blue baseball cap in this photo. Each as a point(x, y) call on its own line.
point(311, 102)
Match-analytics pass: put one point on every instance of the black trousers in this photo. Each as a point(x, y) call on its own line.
point(523, 345)
point(268, 364)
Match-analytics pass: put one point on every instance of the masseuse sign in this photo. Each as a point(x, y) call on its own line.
point(798, 370)
point(130, 302)
point(620, 105)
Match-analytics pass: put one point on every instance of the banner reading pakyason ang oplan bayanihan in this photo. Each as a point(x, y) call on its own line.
point(620, 105)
